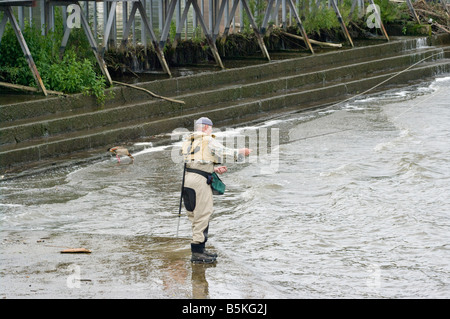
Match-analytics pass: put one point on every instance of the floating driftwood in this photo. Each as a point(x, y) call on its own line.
point(76, 251)
point(149, 92)
point(67, 250)
point(322, 44)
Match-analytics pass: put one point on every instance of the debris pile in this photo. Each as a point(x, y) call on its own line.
point(436, 14)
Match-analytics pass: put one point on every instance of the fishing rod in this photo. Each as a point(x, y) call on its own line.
point(390, 78)
point(355, 96)
point(318, 135)
point(368, 90)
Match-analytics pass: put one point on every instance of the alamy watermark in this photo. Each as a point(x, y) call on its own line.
point(74, 279)
point(374, 18)
point(74, 18)
point(373, 280)
point(263, 142)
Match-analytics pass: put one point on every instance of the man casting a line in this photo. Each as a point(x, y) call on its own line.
point(201, 151)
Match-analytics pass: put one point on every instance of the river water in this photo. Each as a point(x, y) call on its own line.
point(348, 202)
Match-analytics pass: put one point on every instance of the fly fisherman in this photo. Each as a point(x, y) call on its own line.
point(201, 151)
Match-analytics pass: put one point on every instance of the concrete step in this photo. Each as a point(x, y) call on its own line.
point(199, 82)
point(103, 137)
point(45, 126)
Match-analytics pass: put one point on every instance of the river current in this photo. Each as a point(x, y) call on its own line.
point(351, 201)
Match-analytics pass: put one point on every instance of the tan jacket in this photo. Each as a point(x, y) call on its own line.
point(204, 148)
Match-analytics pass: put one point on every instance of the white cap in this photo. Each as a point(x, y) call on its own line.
point(204, 120)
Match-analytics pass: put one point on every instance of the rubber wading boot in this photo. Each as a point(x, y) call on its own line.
point(209, 253)
point(199, 256)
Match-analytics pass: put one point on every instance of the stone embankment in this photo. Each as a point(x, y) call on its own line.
point(46, 130)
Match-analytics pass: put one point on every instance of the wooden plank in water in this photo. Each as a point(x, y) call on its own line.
point(76, 251)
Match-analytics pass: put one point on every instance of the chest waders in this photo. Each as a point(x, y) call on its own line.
point(197, 196)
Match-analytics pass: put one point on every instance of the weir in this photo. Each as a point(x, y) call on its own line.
point(52, 130)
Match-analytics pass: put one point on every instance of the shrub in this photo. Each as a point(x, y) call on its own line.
point(75, 72)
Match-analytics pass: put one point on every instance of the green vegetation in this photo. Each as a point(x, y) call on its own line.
point(320, 19)
point(75, 72)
